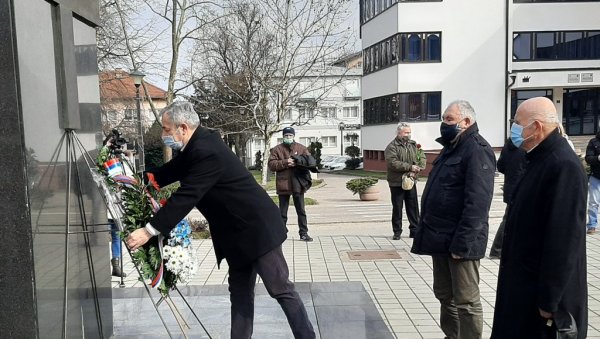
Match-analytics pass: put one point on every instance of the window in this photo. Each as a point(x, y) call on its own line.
point(517, 97)
point(329, 141)
point(371, 8)
point(403, 47)
point(560, 45)
point(306, 112)
point(259, 144)
point(287, 114)
point(414, 47)
point(407, 107)
point(306, 141)
point(351, 112)
point(130, 114)
point(328, 112)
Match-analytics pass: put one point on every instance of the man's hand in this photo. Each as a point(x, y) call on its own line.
point(455, 256)
point(138, 238)
point(415, 168)
point(291, 162)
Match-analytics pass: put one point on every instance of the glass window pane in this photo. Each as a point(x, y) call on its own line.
point(571, 47)
point(522, 46)
point(434, 47)
point(544, 48)
point(434, 106)
point(414, 47)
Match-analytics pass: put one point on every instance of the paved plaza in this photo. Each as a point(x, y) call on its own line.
point(399, 289)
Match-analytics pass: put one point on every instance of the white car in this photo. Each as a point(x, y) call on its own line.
point(337, 164)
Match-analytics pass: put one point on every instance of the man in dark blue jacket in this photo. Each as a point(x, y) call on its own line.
point(245, 224)
point(454, 220)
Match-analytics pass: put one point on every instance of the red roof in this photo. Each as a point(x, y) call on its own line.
point(118, 84)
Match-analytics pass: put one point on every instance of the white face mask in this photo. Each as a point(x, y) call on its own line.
point(170, 141)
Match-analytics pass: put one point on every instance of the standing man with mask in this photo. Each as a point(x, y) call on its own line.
point(592, 157)
point(543, 265)
point(245, 225)
point(454, 220)
point(401, 158)
point(281, 162)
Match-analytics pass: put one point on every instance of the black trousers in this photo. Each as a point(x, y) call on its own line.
point(273, 270)
point(284, 203)
point(399, 197)
point(496, 249)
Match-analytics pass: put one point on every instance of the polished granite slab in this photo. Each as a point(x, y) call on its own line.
point(336, 309)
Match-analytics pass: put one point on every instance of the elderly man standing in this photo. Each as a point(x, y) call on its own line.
point(402, 159)
point(282, 161)
point(543, 264)
point(454, 220)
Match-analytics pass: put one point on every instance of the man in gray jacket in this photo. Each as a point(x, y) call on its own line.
point(403, 159)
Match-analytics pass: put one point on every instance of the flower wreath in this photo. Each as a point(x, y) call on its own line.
point(162, 261)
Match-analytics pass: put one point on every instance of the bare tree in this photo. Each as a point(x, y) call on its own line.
point(282, 50)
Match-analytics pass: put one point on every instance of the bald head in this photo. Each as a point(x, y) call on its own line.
point(540, 108)
point(538, 118)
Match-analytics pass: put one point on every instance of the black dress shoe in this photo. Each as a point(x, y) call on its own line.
point(396, 237)
point(306, 237)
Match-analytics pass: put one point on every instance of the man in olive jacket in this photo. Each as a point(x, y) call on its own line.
point(281, 161)
point(543, 264)
point(245, 226)
point(454, 220)
point(402, 159)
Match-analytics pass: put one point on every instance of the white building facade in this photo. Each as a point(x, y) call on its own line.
point(421, 55)
point(331, 113)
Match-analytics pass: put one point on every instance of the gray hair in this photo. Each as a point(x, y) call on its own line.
point(182, 112)
point(402, 125)
point(543, 116)
point(465, 109)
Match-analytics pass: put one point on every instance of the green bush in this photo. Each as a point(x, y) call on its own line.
point(315, 150)
point(352, 163)
point(360, 185)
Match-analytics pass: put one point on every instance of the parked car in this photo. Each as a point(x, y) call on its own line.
point(337, 164)
point(327, 158)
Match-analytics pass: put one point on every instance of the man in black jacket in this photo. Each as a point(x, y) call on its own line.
point(543, 264)
point(511, 163)
point(454, 220)
point(592, 157)
point(245, 224)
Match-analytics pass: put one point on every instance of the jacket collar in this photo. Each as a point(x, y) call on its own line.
point(473, 129)
point(545, 146)
point(399, 142)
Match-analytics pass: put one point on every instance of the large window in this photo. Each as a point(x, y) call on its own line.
point(351, 112)
point(562, 45)
point(371, 8)
point(409, 107)
point(517, 97)
point(403, 48)
point(329, 141)
point(328, 112)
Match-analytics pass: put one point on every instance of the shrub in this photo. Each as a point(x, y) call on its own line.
point(360, 185)
point(353, 163)
point(315, 150)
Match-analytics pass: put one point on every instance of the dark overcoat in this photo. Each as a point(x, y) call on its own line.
point(457, 198)
point(244, 222)
point(543, 263)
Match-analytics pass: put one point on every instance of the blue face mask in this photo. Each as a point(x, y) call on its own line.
point(170, 141)
point(516, 134)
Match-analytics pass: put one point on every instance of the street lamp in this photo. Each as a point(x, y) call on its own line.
point(137, 77)
point(341, 125)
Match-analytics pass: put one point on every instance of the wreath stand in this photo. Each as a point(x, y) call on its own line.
point(72, 146)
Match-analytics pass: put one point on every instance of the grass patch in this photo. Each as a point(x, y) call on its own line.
point(360, 173)
point(204, 234)
point(307, 201)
